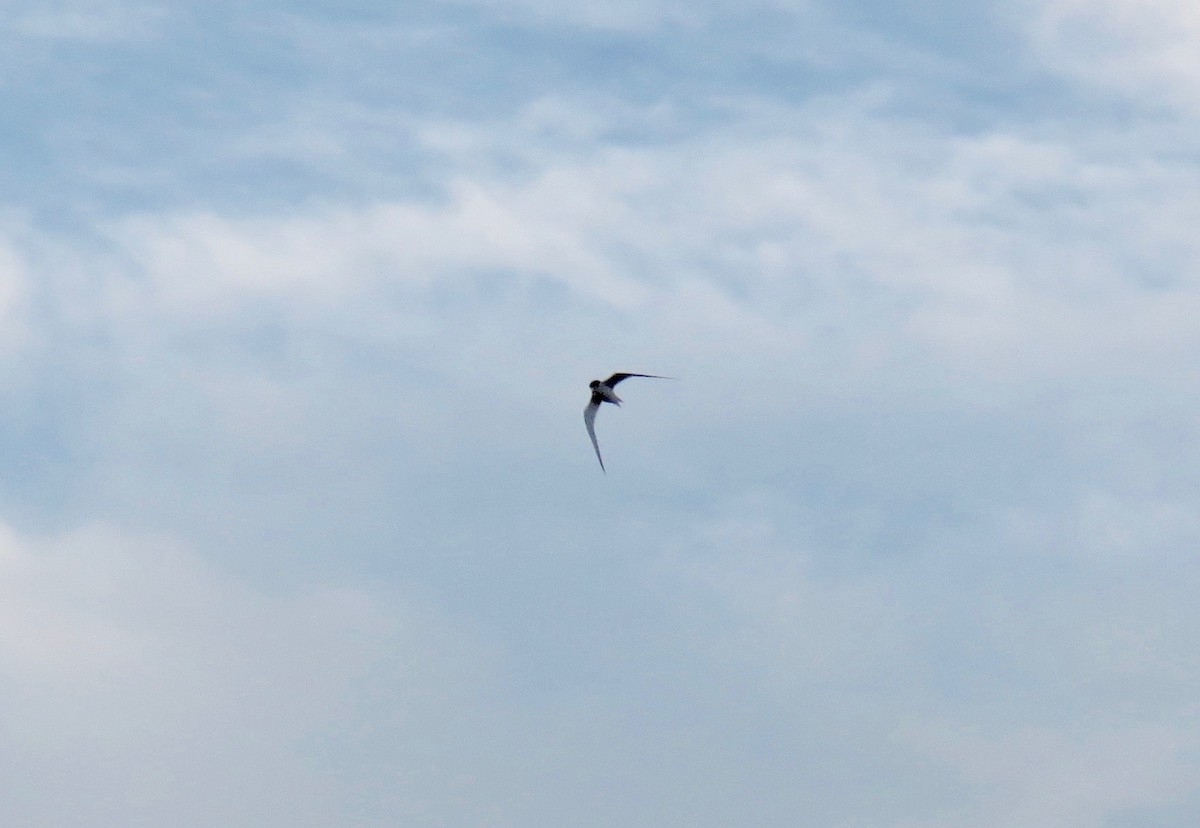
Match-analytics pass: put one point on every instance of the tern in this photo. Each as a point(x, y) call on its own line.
point(602, 392)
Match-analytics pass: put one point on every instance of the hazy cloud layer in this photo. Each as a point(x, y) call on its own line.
point(301, 526)
point(1146, 50)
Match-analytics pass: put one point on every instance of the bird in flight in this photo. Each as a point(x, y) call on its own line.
point(602, 392)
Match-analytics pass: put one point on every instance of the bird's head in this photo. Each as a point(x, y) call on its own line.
point(593, 384)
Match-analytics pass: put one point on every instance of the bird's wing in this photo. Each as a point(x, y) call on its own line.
point(615, 378)
point(589, 418)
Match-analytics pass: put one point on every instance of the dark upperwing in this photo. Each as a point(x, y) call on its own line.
point(615, 378)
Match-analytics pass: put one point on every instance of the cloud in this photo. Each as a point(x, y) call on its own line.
point(15, 321)
point(86, 21)
point(1043, 777)
point(624, 16)
point(1148, 51)
point(756, 674)
point(909, 542)
point(856, 257)
point(977, 249)
point(1038, 678)
point(142, 684)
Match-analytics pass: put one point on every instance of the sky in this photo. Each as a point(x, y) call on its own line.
point(299, 522)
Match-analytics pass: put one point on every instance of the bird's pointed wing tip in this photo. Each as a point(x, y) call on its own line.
point(589, 419)
point(623, 375)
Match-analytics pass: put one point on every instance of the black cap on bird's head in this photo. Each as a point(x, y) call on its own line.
point(593, 383)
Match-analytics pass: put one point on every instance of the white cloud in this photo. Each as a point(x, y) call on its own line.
point(1145, 49)
point(1045, 778)
point(828, 279)
point(618, 16)
point(938, 227)
point(1040, 679)
point(797, 630)
point(626, 16)
point(856, 253)
point(87, 20)
point(15, 321)
point(205, 263)
point(140, 684)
